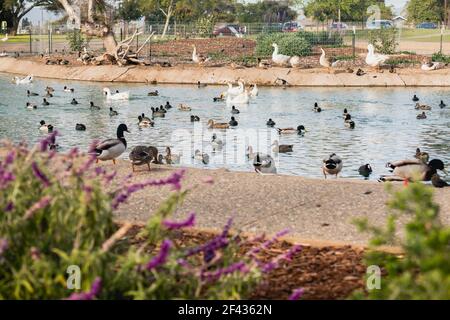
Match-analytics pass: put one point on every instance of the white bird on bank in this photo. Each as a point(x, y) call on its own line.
point(198, 58)
point(279, 58)
point(430, 65)
point(116, 96)
point(26, 80)
point(242, 98)
point(5, 38)
point(327, 62)
point(374, 59)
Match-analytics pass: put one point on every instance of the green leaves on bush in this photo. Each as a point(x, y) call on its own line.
point(422, 271)
point(323, 38)
point(291, 44)
point(76, 40)
point(384, 40)
point(440, 57)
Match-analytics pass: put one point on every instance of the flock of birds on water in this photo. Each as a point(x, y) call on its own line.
point(419, 168)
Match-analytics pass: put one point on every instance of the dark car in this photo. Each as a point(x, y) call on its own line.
point(291, 26)
point(227, 30)
point(427, 25)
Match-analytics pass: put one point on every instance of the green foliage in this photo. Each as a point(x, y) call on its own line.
point(130, 10)
point(384, 40)
point(425, 10)
point(422, 271)
point(265, 12)
point(205, 25)
point(76, 40)
point(289, 44)
point(323, 38)
point(440, 57)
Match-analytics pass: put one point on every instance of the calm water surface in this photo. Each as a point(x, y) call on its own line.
point(386, 124)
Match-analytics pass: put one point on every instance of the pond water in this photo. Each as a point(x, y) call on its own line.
point(386, 124)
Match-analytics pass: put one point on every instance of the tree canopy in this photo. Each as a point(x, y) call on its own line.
point(426, 10)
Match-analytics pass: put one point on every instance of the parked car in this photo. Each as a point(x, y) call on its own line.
point(427, 25)
point(291, 26)
point(227, 30)
point(337, 26)
point(379, 24)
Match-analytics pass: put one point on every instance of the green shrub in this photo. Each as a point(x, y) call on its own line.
point(205, 25)
point(323, 38)
point(289, 44)
point(56, 211)
point(384, 40)
point(422, 271)
point(76, 40)
point(439, 57)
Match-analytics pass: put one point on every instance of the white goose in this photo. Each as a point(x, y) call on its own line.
point(374, 59)
point(235, 91)
point(242, 98)
point(279, 58)
point(327, 62)
point(26, 80)
point(254, 91)
point(430, 65)
point(5, 38)
point(198, 58)
point(116, 96)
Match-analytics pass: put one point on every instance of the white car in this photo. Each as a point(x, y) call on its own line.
point(379, 24)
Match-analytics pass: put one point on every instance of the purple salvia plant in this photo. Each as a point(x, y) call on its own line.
point(91, 294)
point(4, 244)
point(171, 225)
point(217, 274)
point(274, 263)
point(296, 294)
point(9, 206)
point(42, 203)
point(161, 257)
point(216, 243)
point(266, 244)
point(40, 175)
point(50, 139)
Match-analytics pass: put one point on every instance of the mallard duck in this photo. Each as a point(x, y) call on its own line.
point(344, 114)
point(234, 110)
point(421, 116)
point(277, 58)
point(365, 170)
point(80, 127)
point(216, 143)
point(45, 127)
point(300, 130)
point(141, 155)
point(49, 89)
point(195, 118)
point(45, 102)
point(415, 98)
point(168, 106)
point(254, 90)
point(281, 148)
point(413, 170)
point(442, 104)
point(31, 94)
point(116, 96)
point(201, 85)
point(161, 109)
point(31, 106)
point(112, 112)
point(374, 59)
point(110, 149)
point(430, 65)
point(235, 91)
point(93, 106)
point(422, 156)
point(332, 166)
point(327, 62)
point(264, 163)
point(217, 125)
point(348, 122)
point(153, 93)
point(144, 121)
point(221, 97)
point(201, 156)
point(184, 107)
point(197, 58)
point(157, 113)
point(171, 158)
point(419, 106)
point(438, 182)
point(270, 123)
point(233, 122)
point(69, 90)
point(317, 108)
point(74, 101)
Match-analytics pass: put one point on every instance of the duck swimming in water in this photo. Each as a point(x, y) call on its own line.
point(157, 113)
point(66, 89)
point(195, 118)
point(74, 101)
point(168, 106)
point(111, 149)
point(317, 108)
point(153, 93)
point(423, 156)
point(184, 107)
point(80, 127)
point(233, 122)
point(217, 125)
point(415, 98)
point(332, 166)
point(300, 130)
point(270, 123)
point(281, 148)
point(31, 106)
point(216, 143)
point(348, 122)
point(144, 121)
point(365, 170)
point(421, 116)
point(45, 127)
point(31, 94)
point(201, 156)
point(234, 110)
point(93, 106)
point(419, 106)
point(171, 158)
point(442, 104)
point(112, 112)
point(45, 102)
point(413, 170)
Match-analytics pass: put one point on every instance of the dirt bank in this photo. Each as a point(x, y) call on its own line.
point(188, 74)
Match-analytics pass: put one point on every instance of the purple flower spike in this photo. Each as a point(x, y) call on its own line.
point(4, 244)
point(40, 175)
point(10, 158)
point(171, 225)
point(91, 294)
point(296, 294)
point(161, 258)
point(9, 206)
point(45, 201)
point(217, 274)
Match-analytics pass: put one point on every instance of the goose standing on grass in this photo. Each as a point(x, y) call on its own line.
point(281, 148)
point(45, 127)
point(263, 163)
point(197, 58)
point(430, 65)
point(80, 127)
point(422, 155)
point(201, 156)
point(300, 130)
point(442, 105)
point(116, 96)
point(365, 170)
point(31, 106)
point(373, 59)
point(26, 80)
point(110, 149)
point(332, 166)
point(31, 94)
point(413, 169)
point(327, 62)
point(278, 58)
point(45, 102)
point(93, 106)
point(112, 112)
point(419, 106)
point(234, 110)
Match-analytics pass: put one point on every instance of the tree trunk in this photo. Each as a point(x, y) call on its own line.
point(166, 25)
point(15, 26)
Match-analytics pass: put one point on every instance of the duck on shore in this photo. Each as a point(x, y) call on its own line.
point(111, 149)
point(365, 170)
point(264, 164)
point(413, 170)
point(332, 166)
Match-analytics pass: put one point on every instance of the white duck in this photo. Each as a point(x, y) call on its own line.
point(5, 38)
point(279, 58)
point(263, 163)
point(374, 59)
point(198, 58)
point(235, 91)
point(327, 62)
point(430, 65)
point(26, 80)
point(116, 96)
point(110, 149)
point(254, 91)
point(294, 61)
point(242, 98)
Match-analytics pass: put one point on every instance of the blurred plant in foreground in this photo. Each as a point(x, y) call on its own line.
point(422, 270)
point(57, 210)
